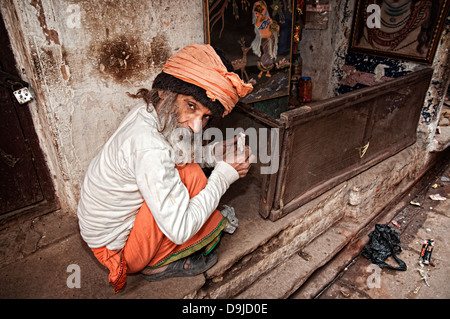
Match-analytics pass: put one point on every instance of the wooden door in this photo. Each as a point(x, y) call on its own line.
point(25, 186)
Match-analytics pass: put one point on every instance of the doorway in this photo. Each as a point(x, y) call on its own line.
point(26, 189)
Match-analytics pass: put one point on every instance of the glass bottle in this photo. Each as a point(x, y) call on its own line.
point(305, 90)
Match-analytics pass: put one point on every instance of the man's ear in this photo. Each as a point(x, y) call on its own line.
point(162, 94)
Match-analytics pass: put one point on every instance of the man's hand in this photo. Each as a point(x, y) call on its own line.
point(240, 160)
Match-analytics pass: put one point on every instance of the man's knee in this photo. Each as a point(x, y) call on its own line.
point(193, 178)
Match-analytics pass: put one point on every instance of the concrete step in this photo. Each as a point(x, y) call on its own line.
point(285, 279)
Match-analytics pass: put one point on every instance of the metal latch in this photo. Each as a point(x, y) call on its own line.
point(19, 87)
point(23, 95)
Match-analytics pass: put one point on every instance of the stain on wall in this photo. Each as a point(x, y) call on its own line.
point(128, 57)
point(160, 51)
point(120, 58)
point(50, 34)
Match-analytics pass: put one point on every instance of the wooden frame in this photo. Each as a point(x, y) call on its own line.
point(231, 26)
point(407, 29)
point(328, 142)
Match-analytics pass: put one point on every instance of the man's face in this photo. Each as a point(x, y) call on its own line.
point(189, 118)
point(191, 113)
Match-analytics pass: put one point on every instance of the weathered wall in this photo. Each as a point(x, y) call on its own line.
point(324, 50)
point(81, 57)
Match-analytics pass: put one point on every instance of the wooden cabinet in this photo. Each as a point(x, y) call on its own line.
point(327, 142)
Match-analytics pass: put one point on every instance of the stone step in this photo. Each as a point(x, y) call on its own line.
point(285, 279)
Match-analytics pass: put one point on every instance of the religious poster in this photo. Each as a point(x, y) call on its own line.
point(256, 37)
point(399, 29)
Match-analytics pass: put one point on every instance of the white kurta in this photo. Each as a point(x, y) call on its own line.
point(136, 164)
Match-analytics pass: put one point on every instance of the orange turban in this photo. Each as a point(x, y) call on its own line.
point(200, 65)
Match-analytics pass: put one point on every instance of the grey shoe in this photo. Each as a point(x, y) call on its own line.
point(199, 264)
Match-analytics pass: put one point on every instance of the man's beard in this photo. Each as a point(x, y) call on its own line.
point(181, 139)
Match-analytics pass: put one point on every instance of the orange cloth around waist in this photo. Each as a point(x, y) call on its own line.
point(148, 246)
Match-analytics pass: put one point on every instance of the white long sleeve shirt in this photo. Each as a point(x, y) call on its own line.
point(136, 164)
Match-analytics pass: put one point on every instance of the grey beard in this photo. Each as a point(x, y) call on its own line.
point(180, 138)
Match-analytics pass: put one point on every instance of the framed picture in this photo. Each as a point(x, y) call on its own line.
point(256, 37)
point(399, 29)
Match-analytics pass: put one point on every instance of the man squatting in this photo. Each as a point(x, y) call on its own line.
point(142, 211)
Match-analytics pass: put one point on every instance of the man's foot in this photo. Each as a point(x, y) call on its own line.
point(153, 271)
point(190, 266)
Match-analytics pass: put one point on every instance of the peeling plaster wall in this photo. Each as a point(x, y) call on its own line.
point(81, 57)
point(323, 51)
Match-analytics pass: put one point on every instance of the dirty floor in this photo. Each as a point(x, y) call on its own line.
point(420, 218)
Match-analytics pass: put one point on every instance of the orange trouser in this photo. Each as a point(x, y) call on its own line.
point(148, 246)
